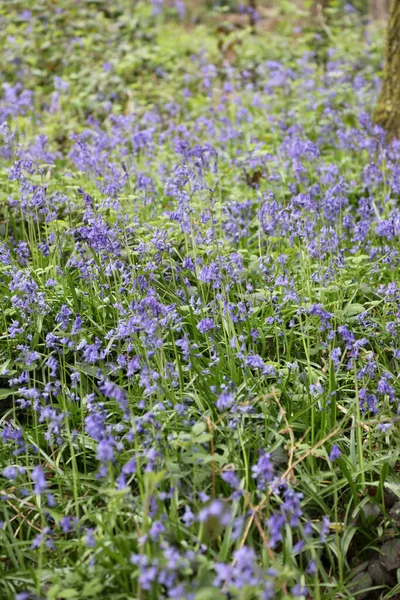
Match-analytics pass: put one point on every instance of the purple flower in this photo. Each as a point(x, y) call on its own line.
point(63, 316)
point(324, 528)
point(368, 402)
point(335, 357)
point(95, 425)
point(299, 590)
point(385, 388)
point(188, 263)
point(77, 325)
point(10, 473)
point(384, 426)
point(312, 568)
point(291, 505)
point(52, 363)
point(244, 572)
point(188, 517)
point(129, 468)
point(14, 329)
point(225, 400)
point(298, 547)
point(216, 509)
point(156, 530)
point(111, 390)
point(276, 523)
point(231, 479)
point(106, 450)
point(39, 479)
point(91, 353)
point(263, 471)
point(89, 538)
point(205, 325)
point(43, 538)
point(108, 67)
point(335, 453)
point(68, 523)
point(255, 362)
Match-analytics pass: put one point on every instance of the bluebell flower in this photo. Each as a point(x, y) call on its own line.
point(206, 325)
point(39, 479)
point(335, 453)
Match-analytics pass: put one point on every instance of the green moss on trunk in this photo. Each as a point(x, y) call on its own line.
point(388, 110)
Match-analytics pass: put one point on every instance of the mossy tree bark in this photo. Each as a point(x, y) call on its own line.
point(387, 113)
point(378, 10)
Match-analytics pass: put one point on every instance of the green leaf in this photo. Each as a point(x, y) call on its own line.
point(57, 516)
point(68, 593)
point(350, 478)
point(348, 534)
point(52, 592)
point(198, 428)
point(353, 309)
point(209, 593)
point(92, 588)
point(154, 479)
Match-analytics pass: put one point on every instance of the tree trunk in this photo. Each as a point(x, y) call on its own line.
point(388, 110)
point(378, 10)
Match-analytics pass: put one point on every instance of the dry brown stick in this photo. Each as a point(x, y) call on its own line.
point(311, 451)
point(284, 476)
point(24, 518)
point(290, 431)
point(346, 412)
point(264, 537)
